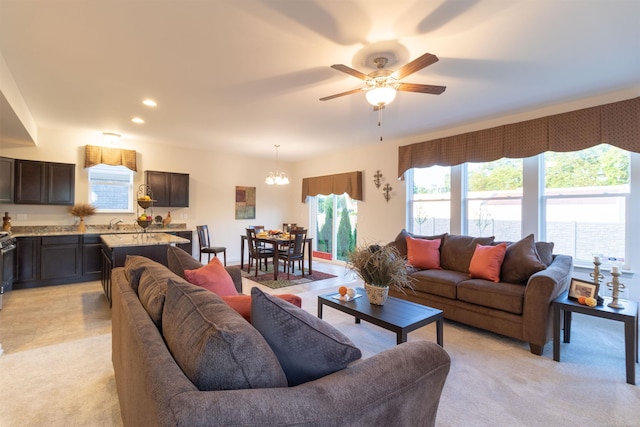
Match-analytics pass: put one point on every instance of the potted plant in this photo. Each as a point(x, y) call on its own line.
point(380, 267)
point(81, 210)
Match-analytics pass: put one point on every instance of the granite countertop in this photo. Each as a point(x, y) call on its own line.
point(140, 239)
point(62, 230)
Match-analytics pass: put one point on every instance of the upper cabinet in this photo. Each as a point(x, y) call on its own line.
point(44, 183)
point(169, 189)
point(6, 180)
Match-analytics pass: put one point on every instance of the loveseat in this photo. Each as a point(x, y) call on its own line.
point(182, 356)
point(516, 302)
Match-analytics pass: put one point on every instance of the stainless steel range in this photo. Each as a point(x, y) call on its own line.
point(7, 260)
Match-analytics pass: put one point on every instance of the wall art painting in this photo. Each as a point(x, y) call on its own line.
point(245, 202)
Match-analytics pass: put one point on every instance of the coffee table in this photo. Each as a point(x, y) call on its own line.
point(396, 315)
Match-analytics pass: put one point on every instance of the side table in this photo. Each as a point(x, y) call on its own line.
point(628, 315)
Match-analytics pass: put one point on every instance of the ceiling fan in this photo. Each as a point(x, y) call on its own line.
point(381, 85)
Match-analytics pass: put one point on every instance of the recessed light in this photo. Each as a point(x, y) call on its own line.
point(150, 103)
point(137, 120)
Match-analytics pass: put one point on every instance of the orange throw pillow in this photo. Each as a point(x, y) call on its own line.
point(423, 253)
point(486, 262)
point(242, 303)
point(213, 277)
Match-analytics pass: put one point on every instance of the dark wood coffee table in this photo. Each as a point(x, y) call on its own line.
point(396, 315)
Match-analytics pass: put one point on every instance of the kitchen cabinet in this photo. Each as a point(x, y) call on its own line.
point(6, 180)
point(39, 183)
point(187, 247)
point(91, 257)
point(60, 259)
point(170, 189)
point(27, 260)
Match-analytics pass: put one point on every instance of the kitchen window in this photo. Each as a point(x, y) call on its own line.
point(111, 188)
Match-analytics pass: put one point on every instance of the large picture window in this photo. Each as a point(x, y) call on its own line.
point(430, 200)
point(586, 201)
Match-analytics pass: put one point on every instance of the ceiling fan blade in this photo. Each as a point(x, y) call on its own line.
point(349, 92)
point(414, 87)
point(415, 65)
point(350, 71)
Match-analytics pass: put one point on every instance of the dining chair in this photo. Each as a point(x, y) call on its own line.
point(205, 244)
point(294, 251)
point(288, 226)
point(257, 253)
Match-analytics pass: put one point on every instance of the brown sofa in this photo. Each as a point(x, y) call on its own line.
point(519, 306)
point(153, 371)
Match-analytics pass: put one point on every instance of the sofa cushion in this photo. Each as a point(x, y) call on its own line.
point(521, 261)
point(179, 260)
point(438, 282)
point(242, 303)
point(456, 251)
point(486, 262)
point(213, 345)
point(423, 253)
point(213, 277)
point(545, 252)
point(150, 278)
point(400, 242)
point(308, 348)
point(507, 297)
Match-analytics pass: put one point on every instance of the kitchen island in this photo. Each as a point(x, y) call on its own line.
point(116, 247)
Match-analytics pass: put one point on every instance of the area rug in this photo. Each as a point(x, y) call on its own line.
point(266, 277)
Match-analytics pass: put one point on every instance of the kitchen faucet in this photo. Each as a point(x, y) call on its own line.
point(112, 224)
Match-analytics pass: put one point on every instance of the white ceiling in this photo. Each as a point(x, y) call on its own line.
point(243, 75)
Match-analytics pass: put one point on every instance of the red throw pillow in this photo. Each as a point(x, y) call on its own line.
point(423, 253)
point(213, 277)
point(242, 303)
point(486, 262)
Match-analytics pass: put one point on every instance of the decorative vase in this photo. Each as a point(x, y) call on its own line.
point(81, 227)
point(377, 294)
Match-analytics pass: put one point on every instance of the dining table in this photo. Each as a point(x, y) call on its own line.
point(277, 241)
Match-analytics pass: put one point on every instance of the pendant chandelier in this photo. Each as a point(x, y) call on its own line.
point(277, 178)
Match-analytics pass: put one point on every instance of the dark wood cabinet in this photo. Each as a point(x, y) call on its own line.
point(60, 258)
point(6, 180)
point(91, 257)
point(27, 260)
point(170, 189)
point(40, 183)
point(187, 247)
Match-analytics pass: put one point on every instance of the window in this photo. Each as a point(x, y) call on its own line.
point(429, 200)
point(335, 234)
point(494, 199)
point(111, 188)
point(586, 201)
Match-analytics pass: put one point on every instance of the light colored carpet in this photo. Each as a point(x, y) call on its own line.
point(494, 381)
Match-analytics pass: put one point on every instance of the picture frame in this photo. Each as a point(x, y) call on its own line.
point(580, 288)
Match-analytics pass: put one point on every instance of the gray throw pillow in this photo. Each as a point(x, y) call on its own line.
point(456, 251)
point(521, 261)
point(545, 252)
point(307, 347)
point(213, 345)
point(179, 261)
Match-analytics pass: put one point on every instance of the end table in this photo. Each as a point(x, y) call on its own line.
point(628, 315)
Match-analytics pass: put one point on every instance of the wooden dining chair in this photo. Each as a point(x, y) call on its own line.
point(288, 226)
point(294, 251)
point(257, 253)
point(205, 244)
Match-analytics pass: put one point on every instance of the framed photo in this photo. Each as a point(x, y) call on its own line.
point(579, 288)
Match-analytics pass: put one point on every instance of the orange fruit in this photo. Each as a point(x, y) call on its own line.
point(581, 299)
point(342, 290)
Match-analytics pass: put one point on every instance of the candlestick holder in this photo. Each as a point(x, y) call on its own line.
point(615, 287)
point(597, 277)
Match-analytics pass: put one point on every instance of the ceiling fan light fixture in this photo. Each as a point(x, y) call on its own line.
point(381, 95)
point(276, 178)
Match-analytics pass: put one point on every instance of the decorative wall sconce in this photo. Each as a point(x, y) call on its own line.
point(386, 192)
point(376, 178)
